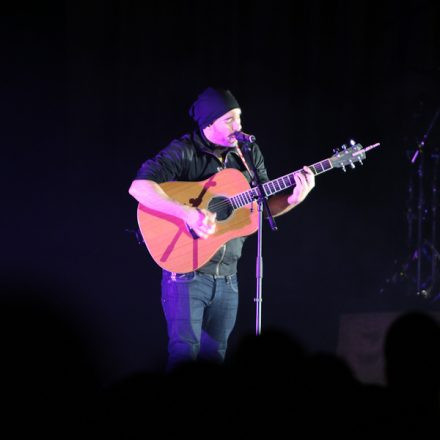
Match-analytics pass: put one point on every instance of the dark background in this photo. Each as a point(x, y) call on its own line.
point(92, 90)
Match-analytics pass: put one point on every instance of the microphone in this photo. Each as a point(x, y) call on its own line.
point(244, 137)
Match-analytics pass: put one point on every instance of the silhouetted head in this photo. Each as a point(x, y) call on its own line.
point(412, 351)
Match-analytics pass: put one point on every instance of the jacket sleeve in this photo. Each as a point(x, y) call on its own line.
point(167, 165)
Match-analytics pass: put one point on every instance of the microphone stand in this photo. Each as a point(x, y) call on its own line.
point(261, 199)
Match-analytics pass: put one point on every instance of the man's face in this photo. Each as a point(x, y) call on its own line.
point(221, 131)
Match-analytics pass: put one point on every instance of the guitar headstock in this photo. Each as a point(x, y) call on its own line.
point(348, 156)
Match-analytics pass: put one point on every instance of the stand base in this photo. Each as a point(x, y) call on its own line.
point(404, 279)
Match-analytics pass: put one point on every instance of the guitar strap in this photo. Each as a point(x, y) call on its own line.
point(240, 153)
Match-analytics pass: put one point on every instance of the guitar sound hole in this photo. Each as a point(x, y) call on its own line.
point(222, 206)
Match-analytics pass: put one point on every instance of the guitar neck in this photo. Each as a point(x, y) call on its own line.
point(277, 185)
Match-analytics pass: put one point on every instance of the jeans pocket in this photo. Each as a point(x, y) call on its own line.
point(234, 284)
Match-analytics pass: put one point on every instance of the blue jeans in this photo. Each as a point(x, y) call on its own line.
point(200, 310)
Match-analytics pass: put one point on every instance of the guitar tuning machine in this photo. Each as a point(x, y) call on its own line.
point(352, 165)
point(343, 168)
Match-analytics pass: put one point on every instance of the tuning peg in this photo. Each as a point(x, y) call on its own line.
point(352, 164)
point(360, 161)
point(343, 168)
point(352, 142)
point(335, 150)
point(344, 147)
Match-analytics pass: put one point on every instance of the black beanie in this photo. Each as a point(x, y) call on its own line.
point(211, 104)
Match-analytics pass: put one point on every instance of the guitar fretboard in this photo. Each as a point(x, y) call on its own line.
point(275, 186)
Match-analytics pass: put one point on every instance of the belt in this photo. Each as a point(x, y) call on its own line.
point(226, 277)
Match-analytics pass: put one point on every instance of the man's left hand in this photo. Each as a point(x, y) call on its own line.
point(305, 182)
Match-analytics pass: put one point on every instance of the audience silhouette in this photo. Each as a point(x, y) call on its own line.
point(412, 359)
point(48, 381)
point(269, 384)
point(272, 384)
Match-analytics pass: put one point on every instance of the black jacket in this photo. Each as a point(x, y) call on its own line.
point(191, 158)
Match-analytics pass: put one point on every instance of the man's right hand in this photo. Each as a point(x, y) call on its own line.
point(151, 195)
point(201, 221)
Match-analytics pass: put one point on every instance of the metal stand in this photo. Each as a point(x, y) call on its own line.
point(259, 271)
point(263, 206)
point(420, 206)
point(435, 254)
point(424, 285)
point(420, 152)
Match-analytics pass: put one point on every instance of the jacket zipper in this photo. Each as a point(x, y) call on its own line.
point(222, 163)
point(223, 166)
point(221, 259)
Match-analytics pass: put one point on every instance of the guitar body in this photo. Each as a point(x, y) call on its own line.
point(169, 240)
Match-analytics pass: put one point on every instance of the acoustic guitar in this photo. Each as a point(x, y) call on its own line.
point(176, 248)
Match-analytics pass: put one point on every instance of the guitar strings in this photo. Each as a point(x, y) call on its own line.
point(228, 201)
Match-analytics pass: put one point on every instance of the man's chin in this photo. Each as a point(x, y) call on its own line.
point(228, 143)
